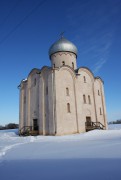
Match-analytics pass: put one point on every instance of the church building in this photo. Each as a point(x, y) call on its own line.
point(61, 99)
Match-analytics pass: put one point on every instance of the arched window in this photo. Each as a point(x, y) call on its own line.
point(67, 91)
point(68, 108)
point(63, 63)
point(89, 99)
point(84, 79)
point(84, 99)
point(72, 65)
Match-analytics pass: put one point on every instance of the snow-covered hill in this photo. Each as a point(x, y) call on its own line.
point(95, 155)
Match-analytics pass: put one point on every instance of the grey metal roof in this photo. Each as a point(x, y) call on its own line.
point(62, 45)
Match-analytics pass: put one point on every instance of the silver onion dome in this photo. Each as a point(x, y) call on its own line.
point(62, 45)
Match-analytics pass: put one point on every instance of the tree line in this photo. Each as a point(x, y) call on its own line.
point(9, 126)
point(115, 122)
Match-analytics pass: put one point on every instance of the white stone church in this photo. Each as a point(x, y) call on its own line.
point(61, 99)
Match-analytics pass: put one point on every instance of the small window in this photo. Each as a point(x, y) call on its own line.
point(24, 99)
point(35, 82)
point(98, 93)
point(68, 108)
point(53, 65)
point(72, 65)
point(100, 111)
point(46, 90)
point(89, 99)
point(84, 79)
point(67, 91)
point(63, 63)
point(84, 99)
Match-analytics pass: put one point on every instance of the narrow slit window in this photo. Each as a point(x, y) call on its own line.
point(84, 99)
point(89, 99)
point(68, 108)
point(72, 65)
point(67, 91)
point(35, 82)
point(46, 90)
point(24, 99)
point(53, 65)
point(84, 79)
point(100, 111)
point(98, 93)
point(63, 63)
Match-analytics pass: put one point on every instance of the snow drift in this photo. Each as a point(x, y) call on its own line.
point(95, 155)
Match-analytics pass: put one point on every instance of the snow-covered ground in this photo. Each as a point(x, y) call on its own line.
point(95, 155)
point(114, 126)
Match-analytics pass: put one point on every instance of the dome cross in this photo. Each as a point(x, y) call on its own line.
point(62, 34)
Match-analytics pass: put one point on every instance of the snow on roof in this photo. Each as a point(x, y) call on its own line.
point(24, 79)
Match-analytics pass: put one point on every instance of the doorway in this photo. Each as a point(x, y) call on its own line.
point(88, 121)
point(35, 124)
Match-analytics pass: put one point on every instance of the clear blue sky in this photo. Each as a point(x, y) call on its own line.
point(29, 27)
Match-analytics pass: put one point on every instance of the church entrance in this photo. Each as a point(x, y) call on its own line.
point(35, 124)
point(88, 121)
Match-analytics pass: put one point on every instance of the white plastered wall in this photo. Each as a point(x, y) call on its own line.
point(100, 102)
point(58, 58)
point(66, 122)
point(85, 88)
